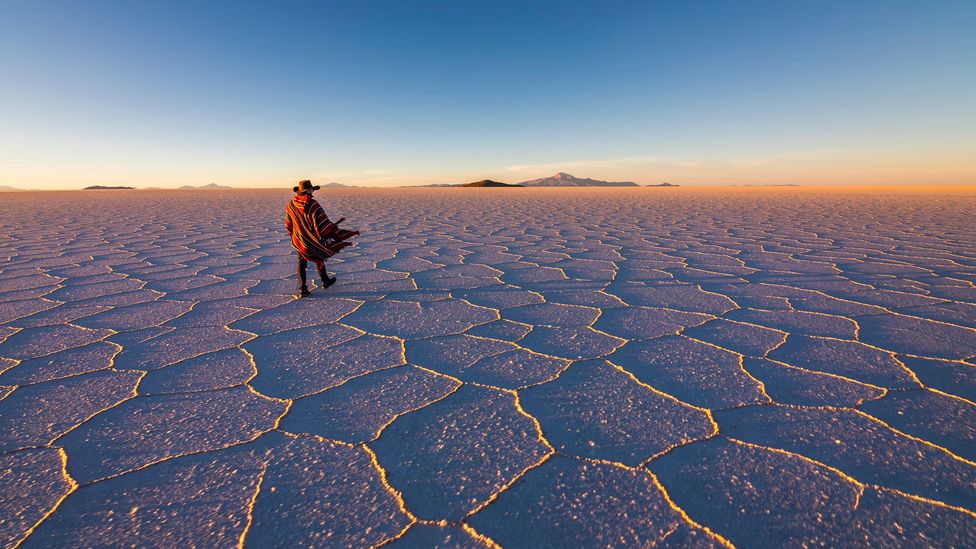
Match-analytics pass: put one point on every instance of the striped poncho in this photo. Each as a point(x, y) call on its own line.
point(312, 234)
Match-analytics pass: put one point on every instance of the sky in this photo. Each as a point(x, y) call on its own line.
point(263, 94)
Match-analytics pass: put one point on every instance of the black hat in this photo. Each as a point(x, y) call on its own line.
point(305, 185)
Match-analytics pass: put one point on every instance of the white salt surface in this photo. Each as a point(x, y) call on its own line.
point(523, 367)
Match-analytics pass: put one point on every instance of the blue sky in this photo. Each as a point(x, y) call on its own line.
point(390, 93)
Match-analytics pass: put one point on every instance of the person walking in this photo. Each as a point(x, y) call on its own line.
point(313, 235)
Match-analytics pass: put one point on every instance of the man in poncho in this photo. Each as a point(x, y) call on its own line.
point(313, 236)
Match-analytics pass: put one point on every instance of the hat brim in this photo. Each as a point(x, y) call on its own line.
point(315, 188)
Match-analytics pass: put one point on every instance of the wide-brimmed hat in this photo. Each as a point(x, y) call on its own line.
point(305, 185)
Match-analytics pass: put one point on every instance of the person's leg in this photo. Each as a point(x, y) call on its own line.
point(323, 275)
point(302, 265)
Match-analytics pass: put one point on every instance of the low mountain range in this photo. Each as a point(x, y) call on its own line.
point(562, 179)
point(489, 183)
point(107, 188)
point(210, 186)
point(482, 183)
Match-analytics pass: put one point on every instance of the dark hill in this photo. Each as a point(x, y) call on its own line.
point(489, 183)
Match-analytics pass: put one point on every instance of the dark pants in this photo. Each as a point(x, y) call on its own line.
point(302, 265)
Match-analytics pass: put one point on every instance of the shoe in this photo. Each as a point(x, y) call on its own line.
point(303, 292)
point(326, 282)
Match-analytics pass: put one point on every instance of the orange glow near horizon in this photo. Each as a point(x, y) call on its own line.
point(832, 172)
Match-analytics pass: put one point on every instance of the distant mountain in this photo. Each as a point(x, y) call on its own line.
point(482, 183)
point(9, 188)
point(489, 183)
point(210, 186)
point(336, 185)
point(105, 188)
point(565, 180)
point(662, 185)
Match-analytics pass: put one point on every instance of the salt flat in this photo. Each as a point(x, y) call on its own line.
point(526, 367)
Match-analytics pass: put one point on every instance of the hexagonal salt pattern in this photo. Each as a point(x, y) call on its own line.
point(515, 367)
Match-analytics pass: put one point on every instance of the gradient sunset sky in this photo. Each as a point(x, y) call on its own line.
point(391, 93)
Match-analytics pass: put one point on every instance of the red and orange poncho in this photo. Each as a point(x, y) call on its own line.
point(313, 235)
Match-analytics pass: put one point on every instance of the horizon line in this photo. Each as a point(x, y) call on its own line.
point(10, 189)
